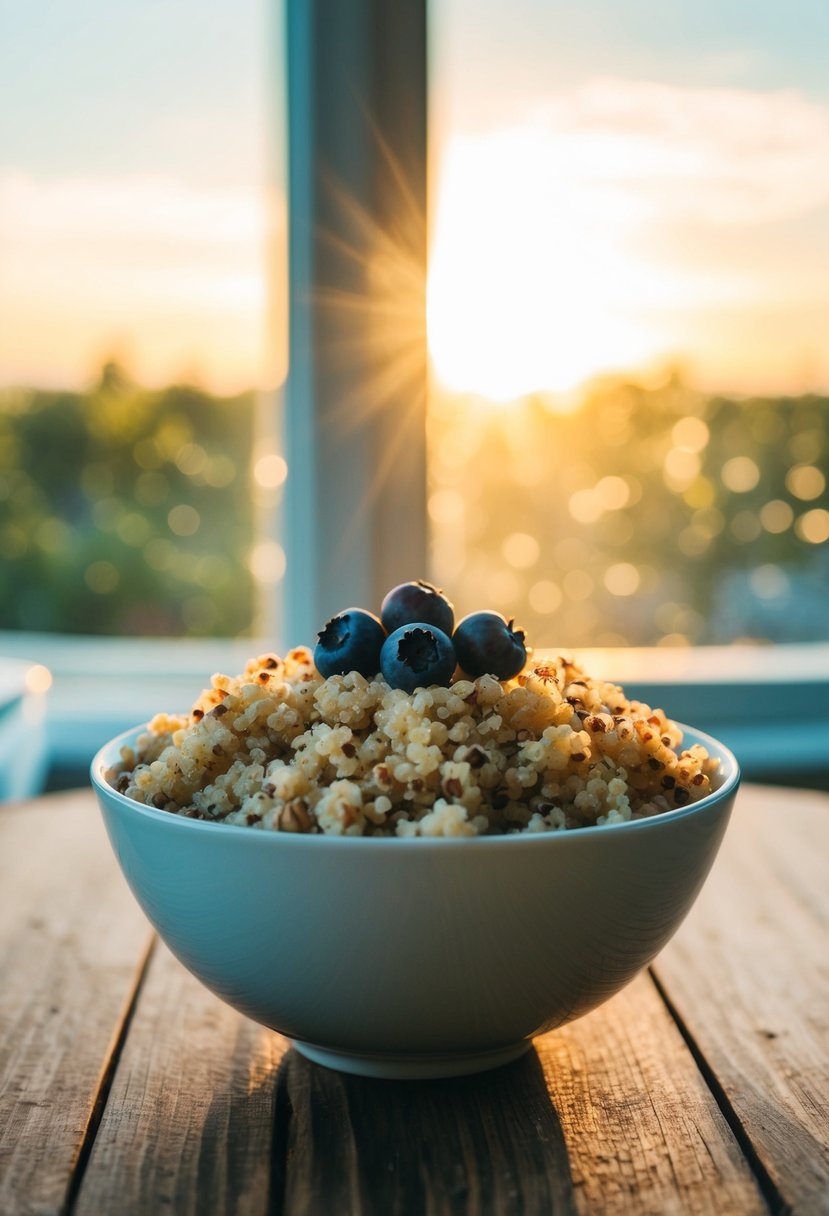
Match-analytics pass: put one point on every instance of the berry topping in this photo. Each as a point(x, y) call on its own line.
point(351, 641)
point(486, 643)
point(417, 603)
point(417, 655)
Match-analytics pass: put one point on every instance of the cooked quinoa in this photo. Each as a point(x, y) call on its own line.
point(280, 748)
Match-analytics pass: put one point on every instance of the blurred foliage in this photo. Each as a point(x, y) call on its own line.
point(647, 515)
point(126, 511)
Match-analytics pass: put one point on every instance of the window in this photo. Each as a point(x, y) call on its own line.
point(626, 310)
point(142, 345)
point(140, 324)
point(629, 294)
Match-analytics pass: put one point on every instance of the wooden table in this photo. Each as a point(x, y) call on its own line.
point(702, 1087)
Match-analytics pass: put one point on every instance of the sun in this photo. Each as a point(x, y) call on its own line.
point(530, 278)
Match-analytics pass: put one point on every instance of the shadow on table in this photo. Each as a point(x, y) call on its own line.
point(491, 1142)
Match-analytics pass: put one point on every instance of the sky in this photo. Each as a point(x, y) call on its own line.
point(136, 145)
point(616, 187)
point(631, 186)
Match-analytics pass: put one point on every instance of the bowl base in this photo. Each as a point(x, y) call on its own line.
point(393, 1067)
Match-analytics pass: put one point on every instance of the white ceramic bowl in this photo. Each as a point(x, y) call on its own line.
point(415, 957)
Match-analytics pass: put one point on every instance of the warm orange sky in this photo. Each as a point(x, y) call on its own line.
point(622, 224)
point(602, 203)
point(170, 278)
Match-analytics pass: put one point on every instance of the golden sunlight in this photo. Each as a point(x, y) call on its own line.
point(524, 282)
point(169, 278)
point(622, 225)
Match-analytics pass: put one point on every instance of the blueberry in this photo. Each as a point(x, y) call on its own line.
point(351, 641)
point(417, 603)
point(417, 655)
point(486, 643)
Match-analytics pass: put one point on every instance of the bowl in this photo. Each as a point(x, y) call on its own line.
point(415, 957)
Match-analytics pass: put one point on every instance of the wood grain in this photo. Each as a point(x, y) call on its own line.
point(72, 942)
point(609, 1115)
point(490, 1143)
point(619, 1112)
point(188, 1126)
point(748, 975)
point(643, 1131)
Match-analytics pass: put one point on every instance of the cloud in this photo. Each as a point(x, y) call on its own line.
point(714, 155)
point(621, 222)
point(140, 208)
point(178, 274)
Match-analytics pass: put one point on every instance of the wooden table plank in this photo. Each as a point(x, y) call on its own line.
point(208, 1112)
point(643, 1132)
point(72, 942)
point(609, 1115)
point(188, 1126)
point(480, 1144)
point(748, 975)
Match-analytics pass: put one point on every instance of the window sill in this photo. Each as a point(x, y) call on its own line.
point(102, 686)
point(770, 704)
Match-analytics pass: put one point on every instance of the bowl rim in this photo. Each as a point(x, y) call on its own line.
point(729, 764)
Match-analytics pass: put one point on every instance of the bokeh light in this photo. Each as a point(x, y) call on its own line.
point(682, 467)
point(776, 516)
point(805, 481)
point(521, 550)
point(446, 508)
point(267, 562)
point(38, 678)
point(690, 433)
point(622, 579)
point(270, 471)
point(191, 459)
point(183, 520)
point(613, 493)
point(740, 474)
point(665, 516)
point(813, 526)
point(769, 582)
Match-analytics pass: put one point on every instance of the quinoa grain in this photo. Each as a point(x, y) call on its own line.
point(282, 749)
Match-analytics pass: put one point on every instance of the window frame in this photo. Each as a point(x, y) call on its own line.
point(771, 703)
point(354, 522)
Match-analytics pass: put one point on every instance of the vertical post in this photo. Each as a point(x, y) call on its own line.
point(354, 420)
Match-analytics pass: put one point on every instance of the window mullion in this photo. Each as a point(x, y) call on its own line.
point(354, 424)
